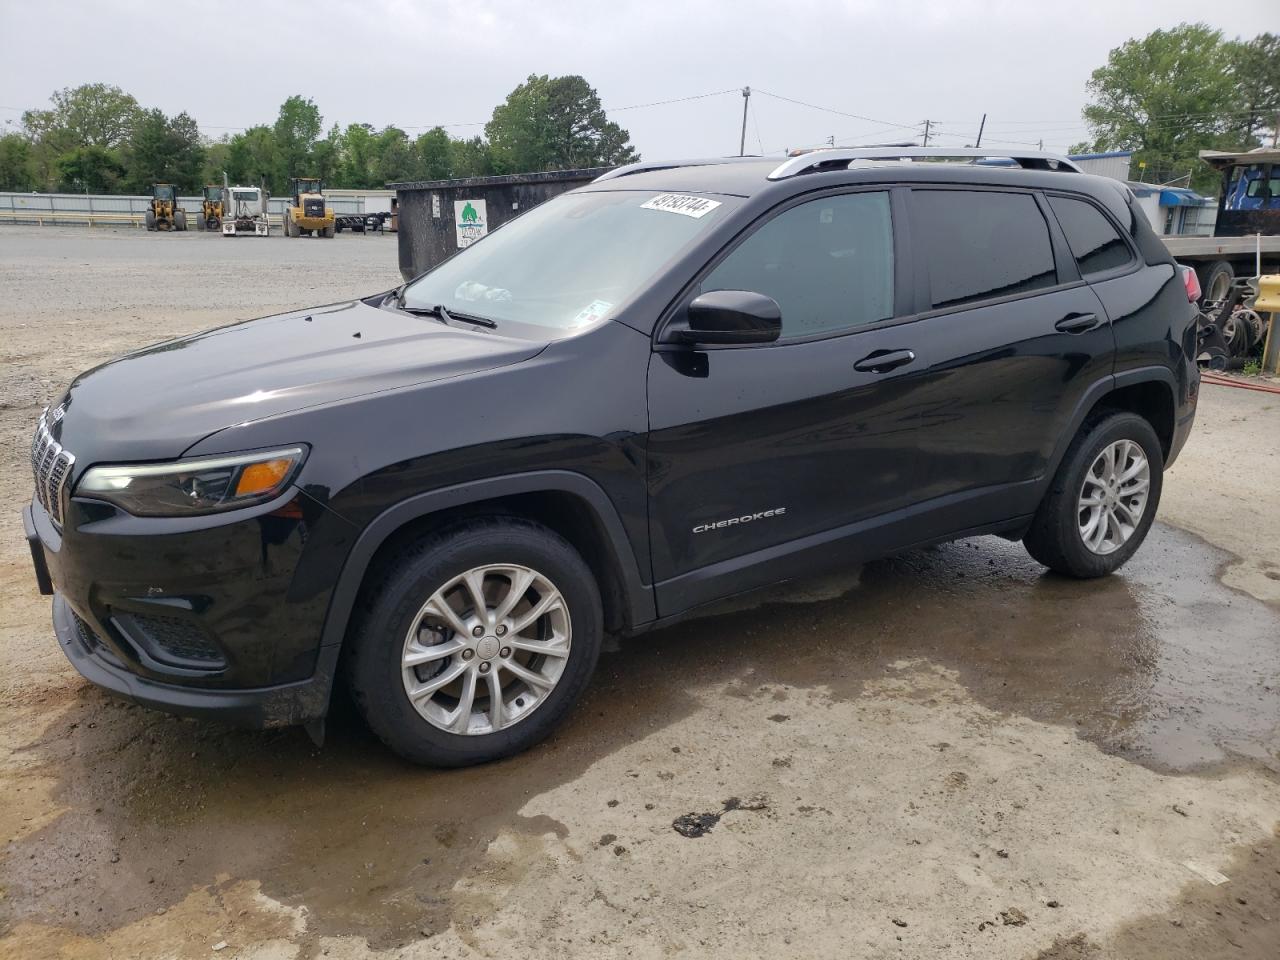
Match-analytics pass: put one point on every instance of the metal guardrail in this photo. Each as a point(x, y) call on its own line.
point(117, 209)
point(42, 217)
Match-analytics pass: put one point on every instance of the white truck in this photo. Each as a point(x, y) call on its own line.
point(246, 212)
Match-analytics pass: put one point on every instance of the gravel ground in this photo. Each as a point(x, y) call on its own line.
point(944, 754)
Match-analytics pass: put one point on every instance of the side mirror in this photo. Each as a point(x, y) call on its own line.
point(731, 317)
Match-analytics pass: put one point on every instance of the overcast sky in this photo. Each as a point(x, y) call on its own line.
point(416, 64)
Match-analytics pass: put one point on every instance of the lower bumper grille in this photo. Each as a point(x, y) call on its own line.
point(171, 640)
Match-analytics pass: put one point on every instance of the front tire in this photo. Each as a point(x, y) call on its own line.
point(1103, 498)
point(475, 642)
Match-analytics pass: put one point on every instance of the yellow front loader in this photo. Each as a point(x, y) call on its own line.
point(306, 212)
point(163, 213)
point(212, 209)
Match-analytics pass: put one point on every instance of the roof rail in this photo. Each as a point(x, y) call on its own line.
point(646, 165)
point(841, 157)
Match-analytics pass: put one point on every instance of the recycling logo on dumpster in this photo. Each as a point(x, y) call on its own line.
point(470, 220)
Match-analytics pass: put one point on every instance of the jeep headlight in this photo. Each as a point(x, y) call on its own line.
point(199, 485)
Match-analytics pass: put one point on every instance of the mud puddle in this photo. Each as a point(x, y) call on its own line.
point(1161, 665)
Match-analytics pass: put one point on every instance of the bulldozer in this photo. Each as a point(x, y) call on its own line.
point(212, 208)
point(163, 213)
point(306, 212)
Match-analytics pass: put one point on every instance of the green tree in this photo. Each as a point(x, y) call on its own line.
point(215, 160)
point(555, 123)
point(1166, 97)
point(92, 115)
point(470, 158)
point(356, 156)
point(1255, 69)
point(17, 171)
point(251, 159)
point(165, 150)
point(297, 128)
point(434, 155)
point(394, 160)
point(90, 169)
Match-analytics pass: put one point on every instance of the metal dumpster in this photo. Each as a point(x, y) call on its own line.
point(437, 218)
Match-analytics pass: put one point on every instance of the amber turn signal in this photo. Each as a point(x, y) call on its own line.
point(261, 477)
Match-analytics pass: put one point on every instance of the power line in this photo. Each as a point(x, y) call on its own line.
point(839, 113)
point(663, 103)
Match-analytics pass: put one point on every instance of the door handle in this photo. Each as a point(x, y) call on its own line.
point(882, 361)
point(1078, 323)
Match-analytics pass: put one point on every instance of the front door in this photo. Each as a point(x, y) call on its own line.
point(755, 451)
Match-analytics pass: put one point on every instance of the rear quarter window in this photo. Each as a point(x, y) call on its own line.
point(1094, 242)
point(980, 245)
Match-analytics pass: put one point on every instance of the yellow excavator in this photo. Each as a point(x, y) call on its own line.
point(163, 213)
point(212, 208)
point(306, 213)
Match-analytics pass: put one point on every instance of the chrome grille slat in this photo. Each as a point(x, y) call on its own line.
point(51, 467)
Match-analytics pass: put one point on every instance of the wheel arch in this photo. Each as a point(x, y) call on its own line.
point(1147, 391)
point(569, 503)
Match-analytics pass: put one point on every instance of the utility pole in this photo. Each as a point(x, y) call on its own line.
point(981, 127)
point(1275, 133)
point(746, 99)
point(926, 134)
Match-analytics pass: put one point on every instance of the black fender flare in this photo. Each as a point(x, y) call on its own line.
point(1096, 394)
point(637, 595)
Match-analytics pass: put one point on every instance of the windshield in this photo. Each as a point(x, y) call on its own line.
point(308, 186)
point(567, 263)
point(213, 193)
point(163, 192)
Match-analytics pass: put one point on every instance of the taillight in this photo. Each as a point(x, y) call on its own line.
point(1191, 282)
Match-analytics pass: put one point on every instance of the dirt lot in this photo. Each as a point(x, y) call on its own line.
point(946, 754)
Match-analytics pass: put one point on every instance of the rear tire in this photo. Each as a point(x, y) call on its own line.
point(180, 220)
point(395, 621)
point(1215, 281)
point(1088, 500)
point(150, 220)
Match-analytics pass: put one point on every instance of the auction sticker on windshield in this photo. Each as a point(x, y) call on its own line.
point(682, 204)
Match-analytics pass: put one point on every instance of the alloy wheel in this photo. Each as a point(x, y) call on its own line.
point(1113, 496)
point(486, 649)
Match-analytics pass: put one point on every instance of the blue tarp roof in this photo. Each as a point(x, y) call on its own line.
point(1180, 197)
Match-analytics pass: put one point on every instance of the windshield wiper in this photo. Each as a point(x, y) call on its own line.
point(449, 316)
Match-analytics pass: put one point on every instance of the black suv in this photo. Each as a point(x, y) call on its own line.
point(677, 383)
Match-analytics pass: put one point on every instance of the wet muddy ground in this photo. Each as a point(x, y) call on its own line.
point(946, 753)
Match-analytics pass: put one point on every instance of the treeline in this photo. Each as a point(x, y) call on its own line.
point(1175, 92)
point(97, 138)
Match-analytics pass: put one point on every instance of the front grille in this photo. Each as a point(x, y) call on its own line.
point(313, 208)
point(171, 640)
point(51, 466)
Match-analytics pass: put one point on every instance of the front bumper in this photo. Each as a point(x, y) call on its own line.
point(216, 617)
point(279, 706)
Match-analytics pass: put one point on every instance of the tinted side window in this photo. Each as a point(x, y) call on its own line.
point(978, 245)
point(828, 263)
point(1093, 240)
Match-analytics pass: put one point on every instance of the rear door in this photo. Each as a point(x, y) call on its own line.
point(753, 449)
point(1016, 340)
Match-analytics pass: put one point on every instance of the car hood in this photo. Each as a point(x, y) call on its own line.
point(157, 402)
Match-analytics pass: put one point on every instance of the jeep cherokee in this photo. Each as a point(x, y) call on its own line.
point(677, 383)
